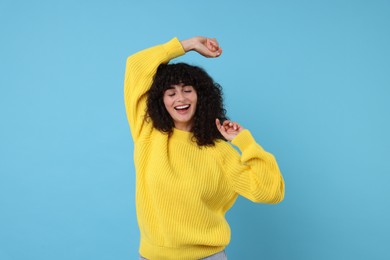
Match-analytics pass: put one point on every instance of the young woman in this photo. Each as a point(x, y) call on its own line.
point(188, 175)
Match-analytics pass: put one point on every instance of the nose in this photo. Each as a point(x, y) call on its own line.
point(180, 96)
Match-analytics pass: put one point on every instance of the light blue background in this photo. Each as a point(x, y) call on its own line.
point(310, 79)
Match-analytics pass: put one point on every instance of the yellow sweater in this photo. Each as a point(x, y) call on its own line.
point(183, 191)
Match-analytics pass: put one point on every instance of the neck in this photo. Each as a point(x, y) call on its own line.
point(183, 127)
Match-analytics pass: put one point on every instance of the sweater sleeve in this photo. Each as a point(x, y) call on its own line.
point(255, 174)
point(140, 70)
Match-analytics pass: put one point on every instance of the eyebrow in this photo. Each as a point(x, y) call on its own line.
point(182, 85)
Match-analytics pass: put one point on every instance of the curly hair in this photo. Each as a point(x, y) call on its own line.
point(209, 103)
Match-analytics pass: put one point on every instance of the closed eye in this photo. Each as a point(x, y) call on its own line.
point(187, 89)
point(170, 92)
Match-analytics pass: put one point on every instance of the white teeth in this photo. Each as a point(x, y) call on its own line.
point(182, 107)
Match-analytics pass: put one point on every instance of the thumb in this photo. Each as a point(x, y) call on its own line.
point(218, 123)
point(220, 127)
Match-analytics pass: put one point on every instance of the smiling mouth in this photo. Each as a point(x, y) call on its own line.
point(182, 108)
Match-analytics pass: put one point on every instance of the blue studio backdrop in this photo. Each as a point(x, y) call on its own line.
point(310, 79)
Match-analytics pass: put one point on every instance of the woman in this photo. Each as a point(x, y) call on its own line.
point(187, 173)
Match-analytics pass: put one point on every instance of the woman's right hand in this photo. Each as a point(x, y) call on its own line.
point(207, 47)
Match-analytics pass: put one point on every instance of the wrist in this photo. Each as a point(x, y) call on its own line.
point(188, 45)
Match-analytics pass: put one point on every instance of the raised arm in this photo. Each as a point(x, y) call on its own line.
point(140, 70)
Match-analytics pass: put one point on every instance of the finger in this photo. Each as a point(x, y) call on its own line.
point(226, 122)
point(233, 126)
point(213, 46)
point(210, 45)
point(219, 52)
point(219, 125)
point(213, 41)
point(221, 128)
point(226, 125)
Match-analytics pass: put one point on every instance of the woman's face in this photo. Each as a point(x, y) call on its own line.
point(180, 102)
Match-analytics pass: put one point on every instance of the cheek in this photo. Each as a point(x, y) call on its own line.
point(195, 99)
point(166, 102)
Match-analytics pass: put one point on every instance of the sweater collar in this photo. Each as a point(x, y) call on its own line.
point(181, 135)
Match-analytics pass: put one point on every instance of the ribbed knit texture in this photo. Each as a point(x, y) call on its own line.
point(182, 190)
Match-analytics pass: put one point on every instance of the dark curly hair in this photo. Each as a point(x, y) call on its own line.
point(209, 103)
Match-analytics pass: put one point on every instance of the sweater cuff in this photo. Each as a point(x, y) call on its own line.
point(243, 140)
point(173, 48)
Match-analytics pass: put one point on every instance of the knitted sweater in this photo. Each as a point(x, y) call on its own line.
point(182, 190)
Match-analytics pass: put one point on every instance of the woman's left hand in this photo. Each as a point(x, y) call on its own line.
point(228, 129)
